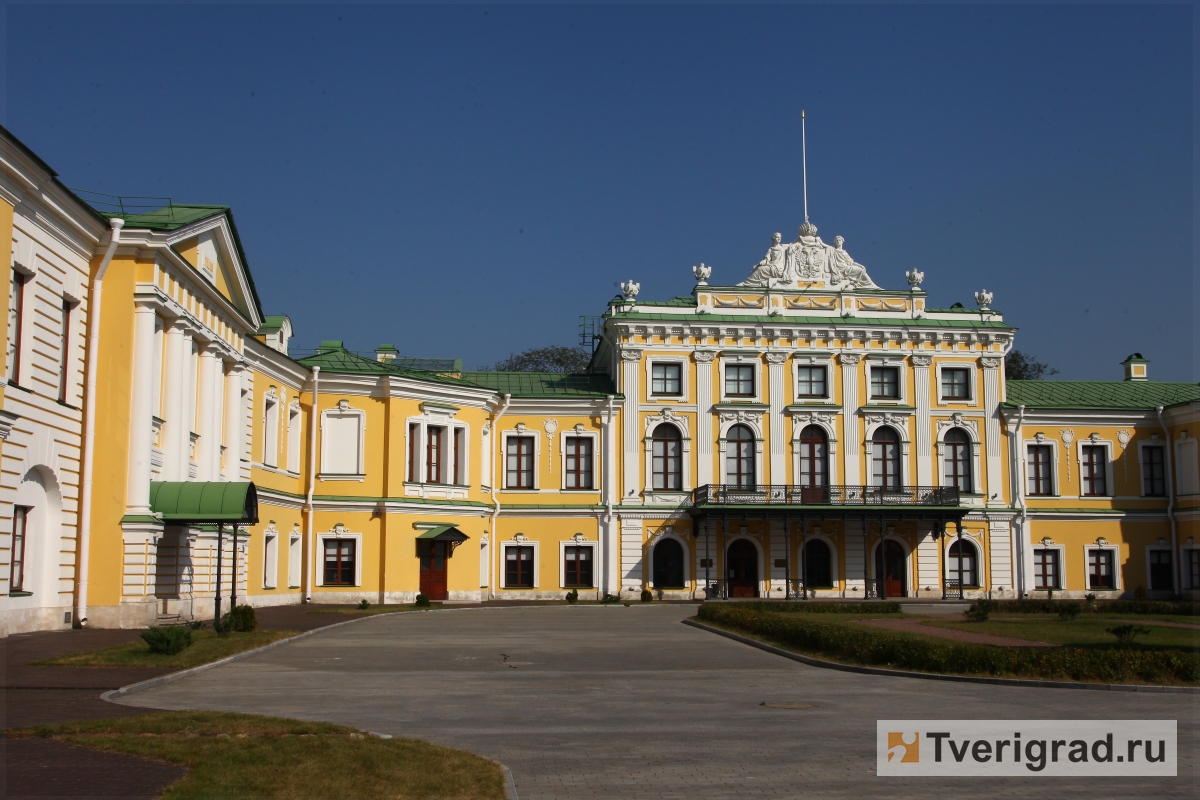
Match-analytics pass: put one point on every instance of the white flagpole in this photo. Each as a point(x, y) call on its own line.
point(804, 162)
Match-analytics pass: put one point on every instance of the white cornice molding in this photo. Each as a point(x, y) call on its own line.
point(220, 223)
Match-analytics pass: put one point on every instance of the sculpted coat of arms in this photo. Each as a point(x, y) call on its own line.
point(809, 260)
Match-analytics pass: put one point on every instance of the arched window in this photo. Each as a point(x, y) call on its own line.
point(668, 564)
point(885, 460)
point(957, 466)
point(962, 555)
point(818, 571)
point(667, 458)
point(739, 457)
point(814, 457)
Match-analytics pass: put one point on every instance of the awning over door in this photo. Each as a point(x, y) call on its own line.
point(180, 502)
point(444, 533)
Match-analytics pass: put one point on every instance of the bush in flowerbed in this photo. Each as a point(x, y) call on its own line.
point(826, 608)
point(887, 649)
point(1032, 606)
point(168, 641)
point(241, 619)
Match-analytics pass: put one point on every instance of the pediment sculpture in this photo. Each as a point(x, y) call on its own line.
point(809, 260)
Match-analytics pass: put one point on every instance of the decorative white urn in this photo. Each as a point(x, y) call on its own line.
point(702, 273)
point(984, 298)
point(914, 278)
point(630, 289)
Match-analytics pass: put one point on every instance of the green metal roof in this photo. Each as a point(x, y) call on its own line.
point(428, 364)
point(544, 384)
point(687, 301)
point(272, 323)
point(791, 321)
point(204, 501)
point(444, 533)
point(1126, 395)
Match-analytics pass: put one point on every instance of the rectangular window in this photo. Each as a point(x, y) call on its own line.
point(16, 564)
point(579, 462)
point(666, 379)
point(1100, 569)
point(518, 463)
point(270, 561)
point(810, 382)
point(1162, 578)
point(1194, 568)
point(414, 449)
point(1154, 471)
point(435, 442)
point(460, 456)
point(885, 383)
point(16, 314)
point(1040, 466)
point(518, 567)
point(1045, 568)
point(341, 443)
point(577, 568)
point(271, 433)
point(739, 380)
point(1094, 466)
point(294, 431)
point(956, 383)
point(339, 562)
point(294, 562)
point(64, 350)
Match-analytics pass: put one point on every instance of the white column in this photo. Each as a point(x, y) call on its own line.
point(704, 435)
point(991, 410)
point(235, 422)
point(928, 565)
point(189, 379)
point(777, 402)
point(1000, 556)
point(206, 394)
point(631, 553)
point(174, 428)
point(631, 365)
point(854, 557)
point(925, 476)
point(850, 449)
point(137, 498)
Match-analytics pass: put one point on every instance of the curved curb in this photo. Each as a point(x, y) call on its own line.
point(937, 676)
point(510, 786)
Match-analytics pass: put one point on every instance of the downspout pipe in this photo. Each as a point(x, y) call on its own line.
point(1175, 577)
point(496, 500)
point(89, 422)
point(609, 485)
point(312, 483)
point(1019, 490)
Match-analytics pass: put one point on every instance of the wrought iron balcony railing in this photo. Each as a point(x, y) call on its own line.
point(790, 495)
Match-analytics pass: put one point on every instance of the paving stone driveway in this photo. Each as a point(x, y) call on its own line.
point(628, 703)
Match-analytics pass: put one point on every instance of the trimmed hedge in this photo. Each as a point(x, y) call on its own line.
point(826, 608)
point(898, 651)
point(1183, 609)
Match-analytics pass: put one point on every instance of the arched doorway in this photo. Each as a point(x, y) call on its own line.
point(742, 569)
point(668, 564)
point(889, 568)
point(818, 572)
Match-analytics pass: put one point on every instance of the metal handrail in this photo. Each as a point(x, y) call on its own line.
point(795, 495)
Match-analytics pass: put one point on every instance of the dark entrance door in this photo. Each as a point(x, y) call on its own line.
point(742, 569)
point(668, 565)
point(433, 569)
point(889, 567)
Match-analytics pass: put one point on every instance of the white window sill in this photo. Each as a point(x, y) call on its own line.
point(325, 476)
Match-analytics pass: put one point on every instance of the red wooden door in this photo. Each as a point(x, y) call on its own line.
point(433, 569)
point(742, 569)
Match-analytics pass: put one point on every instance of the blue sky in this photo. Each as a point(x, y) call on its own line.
point(466, 181)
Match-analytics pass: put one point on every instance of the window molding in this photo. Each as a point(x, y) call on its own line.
point(579, 540)
point(270, 420)
point(683, 424)
point(270, 557)
point(826, 421)
point(684, 379)
point(741, 359)
point(1062, 564)
point(516, 432)
point(1162, 444)
point(342, 408)
point(1162, 547)
point(897, 361)
point(338, 532)
point(1187, 479)
point(582, 433)
point(435, 416)
point(752, 419)
point(295, 558)
point(972, 369)
point(970, 539)
point(1090, 441)
point(689, 557)
point(1185, 564)
point(1104, 544)
point(824, 360)
point(799, 564)
point(520, 540)
point(1040, 439)
point(969, 427)
point(295, 436)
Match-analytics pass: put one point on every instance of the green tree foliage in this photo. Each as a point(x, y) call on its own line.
point(1019, 366)
point(555, 358)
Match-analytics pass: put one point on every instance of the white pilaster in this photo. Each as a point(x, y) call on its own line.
point(189, 378)
point(235, 423)
point(850, 449)
point(206, 416)
point(141, 427)
point(991, 410)
point(631, 365)
point(925, 475)
point(704, 432)
point(1000, 556)
point(174, 427)
point(855, 559)
point(631, 553)
point(778, 401)
point(929, 583)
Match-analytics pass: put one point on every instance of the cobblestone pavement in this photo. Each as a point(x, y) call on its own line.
point(628, 703)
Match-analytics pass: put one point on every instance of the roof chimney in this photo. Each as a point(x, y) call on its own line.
point(1135, 368)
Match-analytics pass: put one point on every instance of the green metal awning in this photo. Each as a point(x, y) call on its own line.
point(179, 502)
point(444, 533)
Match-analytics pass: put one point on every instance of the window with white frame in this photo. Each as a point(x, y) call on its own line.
point(956, 383)
point(885, 383)
point(1102, 572)
point(962, 564)
point(666, 379)
point(64, 352)
point(1093, 464)
point(342, 441)
point(519, 454)
point(577, 566)
point(520, 565)
point(294, 561)
point(270, 559)
point(885, 458)
point(666, 458)
point(1193, 567)
point(1162, 574)
point(435, 454)
point(295, 430)
point(1039, 470)
point(1154, 470)
point(16, 554)
point(16, 319)
point(958, 460)
point(340, 562)
point(811, 382)
point(460, 456)
point(578, 467)
point(739, 380)
point(270, 457)
point(1047, 572)
point(1187, 466)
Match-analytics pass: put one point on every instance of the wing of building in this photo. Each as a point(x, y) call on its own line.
point(801, 433)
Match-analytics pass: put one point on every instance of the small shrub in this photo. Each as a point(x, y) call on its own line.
point(610, 598)
point(422, 600)
point(196, 625)
point(647, 595)
point(168, 641)
point(1127, 633)
point(979, 611)
point(627, 604)
point(573, 596)
point(810, 607)
point(1067, 612)
point(222, 626)
point(1091, 597)
point(1140, 593)
point(364, 605)
point(241, 619)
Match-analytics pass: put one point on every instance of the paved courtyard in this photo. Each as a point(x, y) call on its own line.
point(621, 702)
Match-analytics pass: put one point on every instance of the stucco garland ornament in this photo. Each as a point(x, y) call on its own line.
point(1068, 436)
point(1123, 437)
point(551, 425)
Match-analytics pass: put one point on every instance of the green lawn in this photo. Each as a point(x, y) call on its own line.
point(1084, 631)
point(206, 647)
point(245, 756)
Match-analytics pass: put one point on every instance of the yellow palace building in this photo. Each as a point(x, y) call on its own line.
point(800, 433)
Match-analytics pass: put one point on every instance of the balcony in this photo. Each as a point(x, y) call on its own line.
point(787, 495)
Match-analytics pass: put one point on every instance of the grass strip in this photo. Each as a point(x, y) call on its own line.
point(1152, 607)
point(247, 756)
point(875, 647)
point(1086, 631)
point(206, 647)
point(809, 607)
